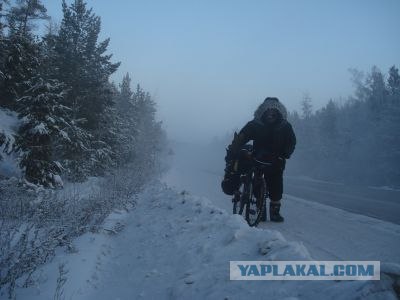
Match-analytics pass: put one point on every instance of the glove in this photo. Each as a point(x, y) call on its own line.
point(285, 156)
point(281, 162)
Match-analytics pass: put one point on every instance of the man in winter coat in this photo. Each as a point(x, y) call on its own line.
point(273, 141)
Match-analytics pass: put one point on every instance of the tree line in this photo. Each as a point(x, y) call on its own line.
point(75, 122)
point(357, 141)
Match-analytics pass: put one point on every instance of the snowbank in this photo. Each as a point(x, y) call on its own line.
point(179, 246)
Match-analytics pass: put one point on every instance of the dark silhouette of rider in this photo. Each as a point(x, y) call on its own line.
point(273, 141)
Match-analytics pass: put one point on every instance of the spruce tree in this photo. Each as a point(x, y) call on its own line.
point(127, 121)
point(328, 121)
point(306, 106)
point(2, 39)
point(393, 82)
point(44, 120)
point(21, 51)
point(150, 133)
point(82, 63)
point(83, 66)
point(389, 128)
point(377, 97)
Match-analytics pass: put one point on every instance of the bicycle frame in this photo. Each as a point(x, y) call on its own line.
point(254, 206)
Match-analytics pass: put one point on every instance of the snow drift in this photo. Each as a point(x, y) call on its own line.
point(178, 246)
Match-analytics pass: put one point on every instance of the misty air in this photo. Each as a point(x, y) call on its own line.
point(199, 149)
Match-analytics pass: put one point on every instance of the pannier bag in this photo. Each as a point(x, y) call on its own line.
point(235, 169)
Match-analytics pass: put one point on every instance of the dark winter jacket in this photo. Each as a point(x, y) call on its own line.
point(276, 140)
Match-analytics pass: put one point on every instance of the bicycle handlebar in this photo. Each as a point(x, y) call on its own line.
point(263, 162)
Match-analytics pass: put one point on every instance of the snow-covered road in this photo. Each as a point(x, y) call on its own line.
point(383, 204)
point(334, 234)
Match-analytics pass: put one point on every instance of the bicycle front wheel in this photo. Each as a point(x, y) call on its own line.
point(255, 204)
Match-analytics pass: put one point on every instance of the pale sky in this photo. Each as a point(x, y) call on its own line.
point(208, 64)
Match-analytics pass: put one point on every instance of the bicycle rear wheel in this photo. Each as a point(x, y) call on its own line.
point(238, 201)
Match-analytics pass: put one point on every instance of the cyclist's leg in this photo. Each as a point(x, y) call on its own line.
point(257, 184)
point(275, 186)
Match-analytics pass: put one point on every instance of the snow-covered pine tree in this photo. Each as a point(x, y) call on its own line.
point(377, 97)
point(48, 67)
point(22, 15)
point(105, 143)
point(308, 145)
point(124, 103)
point(20, 50)
point(44, 120)
point(127, 121)
point(81, 63)
point(76, 153)
point(3, 4)
point(306, 106)
point(2, 39)
point(357, 141)
point(328, 121)
point(389, 128)
point(393, 83)
point(150, 134)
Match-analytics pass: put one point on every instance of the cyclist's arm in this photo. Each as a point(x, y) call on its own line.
point(244, 136)
point(290, 141)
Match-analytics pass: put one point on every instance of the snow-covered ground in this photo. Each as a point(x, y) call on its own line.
point(177, 245)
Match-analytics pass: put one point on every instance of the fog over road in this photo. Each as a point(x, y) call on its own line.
point(200, 170)
point(332, 220)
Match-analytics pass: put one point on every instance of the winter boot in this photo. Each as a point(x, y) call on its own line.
point(274, 214)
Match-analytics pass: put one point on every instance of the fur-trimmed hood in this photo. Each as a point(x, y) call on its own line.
point(268, 104)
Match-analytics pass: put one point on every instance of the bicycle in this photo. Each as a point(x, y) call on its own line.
point(248, 201)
